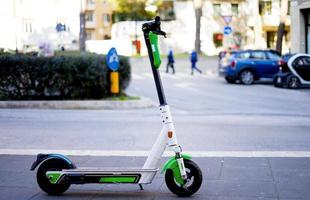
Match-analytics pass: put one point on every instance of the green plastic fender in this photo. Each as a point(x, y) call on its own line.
point(155, 50)
point(172, 164)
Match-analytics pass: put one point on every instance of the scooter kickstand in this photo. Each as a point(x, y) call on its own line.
point(141, 187)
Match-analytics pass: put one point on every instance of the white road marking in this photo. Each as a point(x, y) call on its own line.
point(244, 154)
point(177, 76)
point(136, 76)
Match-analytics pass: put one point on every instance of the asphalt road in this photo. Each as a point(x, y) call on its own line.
point(213, 120)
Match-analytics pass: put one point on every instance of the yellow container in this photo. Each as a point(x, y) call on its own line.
point(114, 78)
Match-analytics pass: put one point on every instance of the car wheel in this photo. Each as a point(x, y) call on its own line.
point(230, 80)
point(277, 81)
point(293, 82)
point(246, 77)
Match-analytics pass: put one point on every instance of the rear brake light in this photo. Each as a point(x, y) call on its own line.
point(233, 64)
point(281, 62)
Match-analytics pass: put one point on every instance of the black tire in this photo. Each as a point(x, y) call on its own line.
point(194, 176)
point(277, 82)
point(230, 80)
point(44, 183)
point(246, 77)
point(293, 82)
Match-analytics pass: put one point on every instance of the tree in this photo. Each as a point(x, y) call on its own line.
point(132, 10)
point(198, 14)
point(284, 7)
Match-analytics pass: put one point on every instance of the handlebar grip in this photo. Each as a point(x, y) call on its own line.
point(153, 26)
point(157, 20)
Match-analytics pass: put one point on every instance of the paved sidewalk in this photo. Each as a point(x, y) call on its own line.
point(224, 178)
point(79, 104)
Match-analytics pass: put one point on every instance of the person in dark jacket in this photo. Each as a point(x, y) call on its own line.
point(170, 62)
point(194, 59)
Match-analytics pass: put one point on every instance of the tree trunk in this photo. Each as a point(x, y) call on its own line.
point(82, 32)
point(198, 14)
point(284, 7)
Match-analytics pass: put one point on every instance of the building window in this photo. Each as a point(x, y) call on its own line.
point(289, 7)
point(271, 39)
point(216, 9)
point(307, 27)
point(90, 2)
point(218, 39)
point(89, 16)
point(89, 35)
point(106, 37)
point(265, 7)
point(235, 9)
point(106, 19)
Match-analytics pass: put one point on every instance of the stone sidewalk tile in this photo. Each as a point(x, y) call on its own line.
point(224, 178)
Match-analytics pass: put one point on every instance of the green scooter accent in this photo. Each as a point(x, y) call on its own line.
point(53, 177)
point(155, 50)
point(172, 164)
point(118, 179)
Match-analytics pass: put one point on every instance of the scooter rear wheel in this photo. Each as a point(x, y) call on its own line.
point(194, 180)
point(43, 181)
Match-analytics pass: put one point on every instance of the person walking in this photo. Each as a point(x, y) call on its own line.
point(170, 62)
point(194, 59)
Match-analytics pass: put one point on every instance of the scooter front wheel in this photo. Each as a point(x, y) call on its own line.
point(43, 181)
point(193, 183)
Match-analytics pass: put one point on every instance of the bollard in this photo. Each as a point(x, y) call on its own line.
point(114, 78)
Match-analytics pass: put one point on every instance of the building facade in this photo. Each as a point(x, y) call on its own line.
point(300, 15)
point(29, 24)
point(253, 25)
point(98, 19)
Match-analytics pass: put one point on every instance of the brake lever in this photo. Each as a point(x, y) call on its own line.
point(160, 33)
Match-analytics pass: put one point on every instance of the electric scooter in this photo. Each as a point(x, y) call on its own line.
point(183, 177)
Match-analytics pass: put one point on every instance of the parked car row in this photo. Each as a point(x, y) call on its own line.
point(247, 66)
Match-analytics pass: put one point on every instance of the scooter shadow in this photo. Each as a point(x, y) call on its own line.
point(94, 195)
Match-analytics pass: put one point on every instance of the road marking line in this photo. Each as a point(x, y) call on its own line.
point(136, 76)
point(245, 154)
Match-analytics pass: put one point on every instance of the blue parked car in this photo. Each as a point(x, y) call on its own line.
point(250, 65)
point(224, 57)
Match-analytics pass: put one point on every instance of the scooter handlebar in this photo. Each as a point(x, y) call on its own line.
point(153, 26)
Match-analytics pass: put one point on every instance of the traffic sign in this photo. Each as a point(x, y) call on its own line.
point(227, 30)
point(60, 27)
point(227, 19)
point(112, 59)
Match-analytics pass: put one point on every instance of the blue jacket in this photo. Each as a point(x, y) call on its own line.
point(194, 57)
point(170, 57)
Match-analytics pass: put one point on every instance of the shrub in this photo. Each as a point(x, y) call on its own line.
point(59, 77)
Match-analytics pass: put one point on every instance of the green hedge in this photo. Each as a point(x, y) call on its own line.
point(59, 77)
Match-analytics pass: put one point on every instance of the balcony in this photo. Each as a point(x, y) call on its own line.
point(90, 6)
point(273, 20)
point(270, 20)
point(90, 24)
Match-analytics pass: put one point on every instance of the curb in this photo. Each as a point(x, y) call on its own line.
point(80, 104)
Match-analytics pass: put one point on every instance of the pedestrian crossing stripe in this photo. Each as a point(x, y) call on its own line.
point(177, 76)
